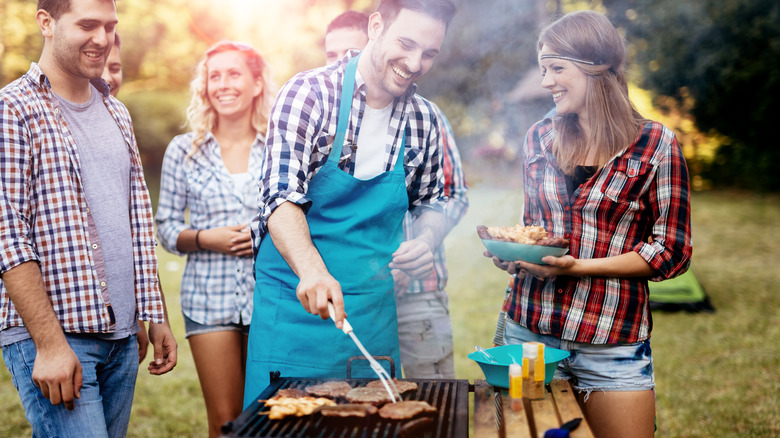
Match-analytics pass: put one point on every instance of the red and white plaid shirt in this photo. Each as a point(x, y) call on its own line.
point(639, 201)
point(45, 216)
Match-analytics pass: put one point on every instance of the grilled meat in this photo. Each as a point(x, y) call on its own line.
point(404, 410)
point(331, 389)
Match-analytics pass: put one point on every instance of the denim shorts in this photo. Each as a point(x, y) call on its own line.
point(594, 367)
point(194, 328)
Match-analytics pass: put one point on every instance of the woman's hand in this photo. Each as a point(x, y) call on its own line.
point(232, 240)
point(555, 266)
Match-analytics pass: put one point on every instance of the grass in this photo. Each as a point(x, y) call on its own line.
point(716, 374)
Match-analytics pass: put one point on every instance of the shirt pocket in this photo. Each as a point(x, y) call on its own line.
point(627, 180)
point(535, 169)
point(205, 188)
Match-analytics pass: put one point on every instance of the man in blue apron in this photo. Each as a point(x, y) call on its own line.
point(424, 326)
point(351, 148)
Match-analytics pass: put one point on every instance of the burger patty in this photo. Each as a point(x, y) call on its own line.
point(404, 410)
point(361, 410)
point(331, 389)
point(401, 385)
point(373, 396)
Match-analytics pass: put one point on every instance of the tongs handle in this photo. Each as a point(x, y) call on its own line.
point(345, 327)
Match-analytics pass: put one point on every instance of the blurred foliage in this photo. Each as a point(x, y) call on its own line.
point(719, 59)
point(710, 67)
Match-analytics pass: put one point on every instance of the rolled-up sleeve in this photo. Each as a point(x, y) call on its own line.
point(294, 123)
point(15, 175)
point(670, 250)
point(172, 204)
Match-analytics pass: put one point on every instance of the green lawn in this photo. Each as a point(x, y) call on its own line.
point(717, 374)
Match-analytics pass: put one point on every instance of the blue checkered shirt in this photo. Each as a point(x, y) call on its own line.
point(302, 129)
point(216, 288)
point(455, 189)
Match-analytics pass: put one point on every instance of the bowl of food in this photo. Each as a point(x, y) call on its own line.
point(527, 243)
point(497, 372)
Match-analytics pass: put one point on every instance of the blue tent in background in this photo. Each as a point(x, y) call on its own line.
point(683, 292)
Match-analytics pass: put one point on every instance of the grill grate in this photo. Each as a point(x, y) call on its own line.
point(449, 397)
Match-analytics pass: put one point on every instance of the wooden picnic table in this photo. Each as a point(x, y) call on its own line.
point(494, 417)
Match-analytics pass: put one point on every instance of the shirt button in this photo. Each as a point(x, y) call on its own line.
point(88, 211)
point(102, 284)
point(94, 246)
point(560, 291)
point(631, 172)
point(56, 110)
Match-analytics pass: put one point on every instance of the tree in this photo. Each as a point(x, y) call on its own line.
point(725, 55)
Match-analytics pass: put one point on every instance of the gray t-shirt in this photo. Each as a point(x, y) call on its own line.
point(105, 176)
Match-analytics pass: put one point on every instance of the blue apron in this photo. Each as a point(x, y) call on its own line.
point(356, 225)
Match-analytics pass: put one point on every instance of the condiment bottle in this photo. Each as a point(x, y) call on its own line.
point(539, 371)
point(516, 386)
point(532, 388)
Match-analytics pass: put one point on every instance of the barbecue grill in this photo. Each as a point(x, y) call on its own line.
point(449, 397)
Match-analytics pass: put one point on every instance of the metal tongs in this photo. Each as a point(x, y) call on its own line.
point(381, 372)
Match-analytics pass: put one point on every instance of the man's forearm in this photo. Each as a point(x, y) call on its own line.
point(288, 227)
point(430, 227)
point(28, 293)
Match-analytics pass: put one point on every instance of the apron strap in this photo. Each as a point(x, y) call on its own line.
point(347, 90)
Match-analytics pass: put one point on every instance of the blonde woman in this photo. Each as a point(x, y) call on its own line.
point(212, 172)
point(616, 185)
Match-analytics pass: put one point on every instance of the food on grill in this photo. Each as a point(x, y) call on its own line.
point(361, 410)
point(373, 396)
point(404, 410)
point(292, 393)
point(298, 406)
point(330, 389)
point(401, 385)
point(528, 235)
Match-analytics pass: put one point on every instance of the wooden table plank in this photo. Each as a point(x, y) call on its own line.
point(515, 423)
point(485, 421)
point(568, 408)
point(544, 415)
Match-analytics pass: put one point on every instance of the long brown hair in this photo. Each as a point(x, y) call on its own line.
point(613, 120)
point(201, 116)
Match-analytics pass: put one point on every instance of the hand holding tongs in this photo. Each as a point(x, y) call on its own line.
point(381, 372)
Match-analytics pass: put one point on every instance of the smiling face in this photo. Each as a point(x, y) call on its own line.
point(339, 41)
point(81, 38)
point(112, 73)
point(230, 86)
point(568, 84)
point(401, 52)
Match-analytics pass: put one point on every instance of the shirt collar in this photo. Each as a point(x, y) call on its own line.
point(42, 80)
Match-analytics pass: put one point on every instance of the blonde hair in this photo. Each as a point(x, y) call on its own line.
point(201, 116)
point(597, 50)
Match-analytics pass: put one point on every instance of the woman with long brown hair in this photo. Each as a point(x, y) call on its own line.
point(213, 173)
point(616, 185)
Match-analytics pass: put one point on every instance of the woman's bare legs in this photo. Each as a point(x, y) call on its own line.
point(220, 358)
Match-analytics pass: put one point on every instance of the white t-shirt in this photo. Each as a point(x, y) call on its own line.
point(372, 142)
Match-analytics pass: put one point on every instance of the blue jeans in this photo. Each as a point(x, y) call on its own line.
point(109, 370)
point(592, 367)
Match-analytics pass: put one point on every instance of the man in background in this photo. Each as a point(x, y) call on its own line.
point(112, 72)
point(424, 325)
point(77, 247)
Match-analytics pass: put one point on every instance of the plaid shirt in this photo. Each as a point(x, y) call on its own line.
point(303, 126)
point(216, 288)
point(637, 202)
point(455, 189)
point(45, 215)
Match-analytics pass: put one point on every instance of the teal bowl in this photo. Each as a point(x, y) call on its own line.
point(512, 251)
point(497, 373)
